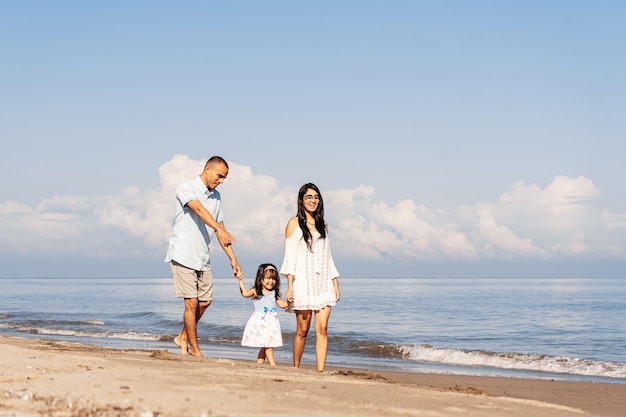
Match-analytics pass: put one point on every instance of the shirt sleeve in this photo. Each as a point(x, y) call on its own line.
point(186, 192)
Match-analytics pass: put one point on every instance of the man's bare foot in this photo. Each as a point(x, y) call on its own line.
point(182, 345)
point(197, 354)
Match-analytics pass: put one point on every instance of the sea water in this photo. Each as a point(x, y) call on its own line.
point(569, 329)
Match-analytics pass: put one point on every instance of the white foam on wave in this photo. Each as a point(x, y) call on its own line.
point(77, 333)
point(517, 361)
point(53, 332)
point(133, 336)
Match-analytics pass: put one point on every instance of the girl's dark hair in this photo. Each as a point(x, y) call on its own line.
point(318, 214)
point(258, 282)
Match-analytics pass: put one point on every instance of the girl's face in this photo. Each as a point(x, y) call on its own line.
point(268, 282)
point(311, 200)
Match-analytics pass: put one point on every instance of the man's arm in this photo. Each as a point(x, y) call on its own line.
point(223, 236)
point(228, 249)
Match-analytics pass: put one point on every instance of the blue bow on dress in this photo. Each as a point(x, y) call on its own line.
point(268, 310)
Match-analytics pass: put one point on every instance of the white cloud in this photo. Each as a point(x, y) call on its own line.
point(559, 219)
point(367, 228)
point(498, 240)
point(562, 219)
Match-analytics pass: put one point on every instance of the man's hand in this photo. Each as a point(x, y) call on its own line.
point(224, 236)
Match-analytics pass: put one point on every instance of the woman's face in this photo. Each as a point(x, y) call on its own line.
point(311, 200)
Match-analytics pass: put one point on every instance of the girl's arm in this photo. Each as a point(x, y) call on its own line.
point(245, 292)
point(282, 303)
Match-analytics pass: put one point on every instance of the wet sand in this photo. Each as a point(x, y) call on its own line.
point(53, 378)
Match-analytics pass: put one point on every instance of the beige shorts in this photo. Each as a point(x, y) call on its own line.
point(189, 283)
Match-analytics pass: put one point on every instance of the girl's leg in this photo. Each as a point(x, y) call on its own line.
point(321, 337)
point(269, 352)
point(261, 357)
point(303, 322)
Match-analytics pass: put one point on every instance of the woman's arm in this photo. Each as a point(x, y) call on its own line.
point(290, 279)
point(290, 256)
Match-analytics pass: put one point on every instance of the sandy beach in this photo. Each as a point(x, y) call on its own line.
point(54, 378)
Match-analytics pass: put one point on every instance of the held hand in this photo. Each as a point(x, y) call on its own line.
point(237, 272)
point(290, 295)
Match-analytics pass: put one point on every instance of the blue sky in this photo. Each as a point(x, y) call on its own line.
point(449, 138)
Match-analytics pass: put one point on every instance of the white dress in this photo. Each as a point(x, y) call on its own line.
point(263, 328)
point(313, 271)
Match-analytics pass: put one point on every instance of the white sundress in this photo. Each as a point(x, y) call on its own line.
point(263, 328)
point(313, 271)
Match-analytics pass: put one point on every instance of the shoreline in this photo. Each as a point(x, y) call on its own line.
point(52, 377)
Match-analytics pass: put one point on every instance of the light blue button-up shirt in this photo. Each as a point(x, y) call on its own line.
point(190, 239)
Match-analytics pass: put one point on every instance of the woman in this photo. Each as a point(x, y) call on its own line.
point(312, 284)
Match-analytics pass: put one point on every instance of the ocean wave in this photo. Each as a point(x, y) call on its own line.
point(51, 331)
point(138, 315)
point(512, 360)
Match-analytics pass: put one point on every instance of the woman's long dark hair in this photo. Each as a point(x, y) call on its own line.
point(258, 282)
point(318, 214)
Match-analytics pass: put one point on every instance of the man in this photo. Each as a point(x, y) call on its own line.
point(198, 216)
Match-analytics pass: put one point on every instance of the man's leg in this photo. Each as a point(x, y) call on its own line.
point(196, 288)
point(189, 321)
point(183, 339)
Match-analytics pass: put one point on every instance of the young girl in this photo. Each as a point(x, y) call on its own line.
point(263, 328)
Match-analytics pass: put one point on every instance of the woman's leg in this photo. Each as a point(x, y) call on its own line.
point(303, 322)
point(321, 337)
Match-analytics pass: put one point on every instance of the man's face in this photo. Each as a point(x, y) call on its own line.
point(215, 175)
